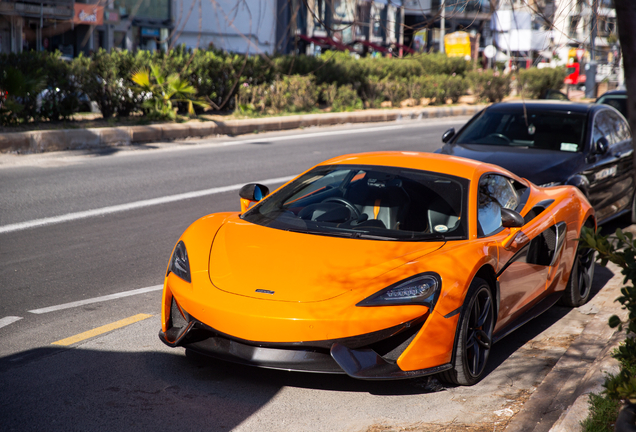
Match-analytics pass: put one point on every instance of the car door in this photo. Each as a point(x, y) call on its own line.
point(609, 173)
point(622, 188)
point(523, 267)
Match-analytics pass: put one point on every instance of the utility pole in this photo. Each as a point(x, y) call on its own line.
point(442, 27)
point(401, 33)
point(590, 68)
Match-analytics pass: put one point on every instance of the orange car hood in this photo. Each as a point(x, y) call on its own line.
point(302, 267)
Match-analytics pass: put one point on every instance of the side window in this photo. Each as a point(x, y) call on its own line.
point(495, 192)
point(620, 127)
point(603, 127)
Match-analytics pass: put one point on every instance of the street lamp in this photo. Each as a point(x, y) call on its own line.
point(442, 27)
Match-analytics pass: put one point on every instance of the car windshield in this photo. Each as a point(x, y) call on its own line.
point(548, 130)
point(368, 202)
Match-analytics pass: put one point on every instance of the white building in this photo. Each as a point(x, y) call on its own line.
point(573, 20)
point(247, 26)
point(521, 33)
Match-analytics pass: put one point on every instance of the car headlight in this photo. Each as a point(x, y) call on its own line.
point(179, 264)
point(551, 184)
point(422, 289)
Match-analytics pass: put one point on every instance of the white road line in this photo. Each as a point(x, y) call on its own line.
point(8, 320)
point(130, 206)
point(96, 299)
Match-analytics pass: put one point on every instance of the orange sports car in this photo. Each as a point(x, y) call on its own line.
point(380, 265)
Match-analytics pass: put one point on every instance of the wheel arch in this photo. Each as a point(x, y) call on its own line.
point(487, 273)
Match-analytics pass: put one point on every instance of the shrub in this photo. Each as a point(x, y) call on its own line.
point(19, 93)
point(60, 99)
point(57, 91)
point(414, 88)
point(328, 93)
point(435, 89)
point(533, 82)
point(301, 92)
point(393, 90)
point(489, 85)
point(289, 94)
point(456, 87)
point(619, 249)
point(101, 81)
point(346, 99)
point(160, 92)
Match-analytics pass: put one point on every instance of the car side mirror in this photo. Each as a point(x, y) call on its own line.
point(511, 219)
point(251, 193)
point(602, 146)
point(448, 135)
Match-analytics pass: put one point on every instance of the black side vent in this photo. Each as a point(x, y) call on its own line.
point(392, 348)
point(537, 210)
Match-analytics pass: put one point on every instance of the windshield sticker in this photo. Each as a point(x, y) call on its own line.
point(570, 147)
point(532, 129)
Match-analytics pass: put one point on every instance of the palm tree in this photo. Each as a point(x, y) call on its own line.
point(160, 92)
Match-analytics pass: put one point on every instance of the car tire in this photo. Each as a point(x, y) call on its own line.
point(474, 341)
point(633, 215)
point(579, 287)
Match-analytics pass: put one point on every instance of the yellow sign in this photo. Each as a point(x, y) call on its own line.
point(457, 44)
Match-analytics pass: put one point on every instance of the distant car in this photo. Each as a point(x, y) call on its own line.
point(555, 143)
point(616, 99)
point(552, 94)
point(383, 265)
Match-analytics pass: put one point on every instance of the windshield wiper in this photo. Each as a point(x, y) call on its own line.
point(324, 233)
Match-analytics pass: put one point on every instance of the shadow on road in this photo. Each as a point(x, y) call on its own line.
point(81, 389)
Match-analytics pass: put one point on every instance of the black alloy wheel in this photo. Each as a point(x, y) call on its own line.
point(475, 336)
point(579, 287)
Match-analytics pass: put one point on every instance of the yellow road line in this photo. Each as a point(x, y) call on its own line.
point(101, 330)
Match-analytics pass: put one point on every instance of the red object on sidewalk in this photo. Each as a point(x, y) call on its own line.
point(574, 77)
point(406, 49)
point(328, 41)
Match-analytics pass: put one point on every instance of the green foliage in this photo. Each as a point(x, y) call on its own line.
point(19, 94)
point(533, 82)
point(489, 85)
point(160, 92)
point(106, 79)
point(456, 86)
point(343, 98)
point(603, 413)
point(197, 79)
point(620, 249)
point(290, 94)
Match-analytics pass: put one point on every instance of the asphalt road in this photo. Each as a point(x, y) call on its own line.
point(78, 226)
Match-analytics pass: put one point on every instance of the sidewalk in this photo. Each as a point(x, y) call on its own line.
point(76, 139)
point(560, 403)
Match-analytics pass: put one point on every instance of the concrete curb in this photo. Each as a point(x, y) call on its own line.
point(560, 402)
point(75, 139)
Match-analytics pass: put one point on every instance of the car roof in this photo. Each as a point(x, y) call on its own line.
point(613, 92)
point(432, 162)
point(544, 105)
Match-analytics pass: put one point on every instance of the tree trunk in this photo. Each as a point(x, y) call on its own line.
point(626, 21)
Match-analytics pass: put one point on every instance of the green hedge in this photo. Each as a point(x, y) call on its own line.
point(43, 86)
point(533, 83)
